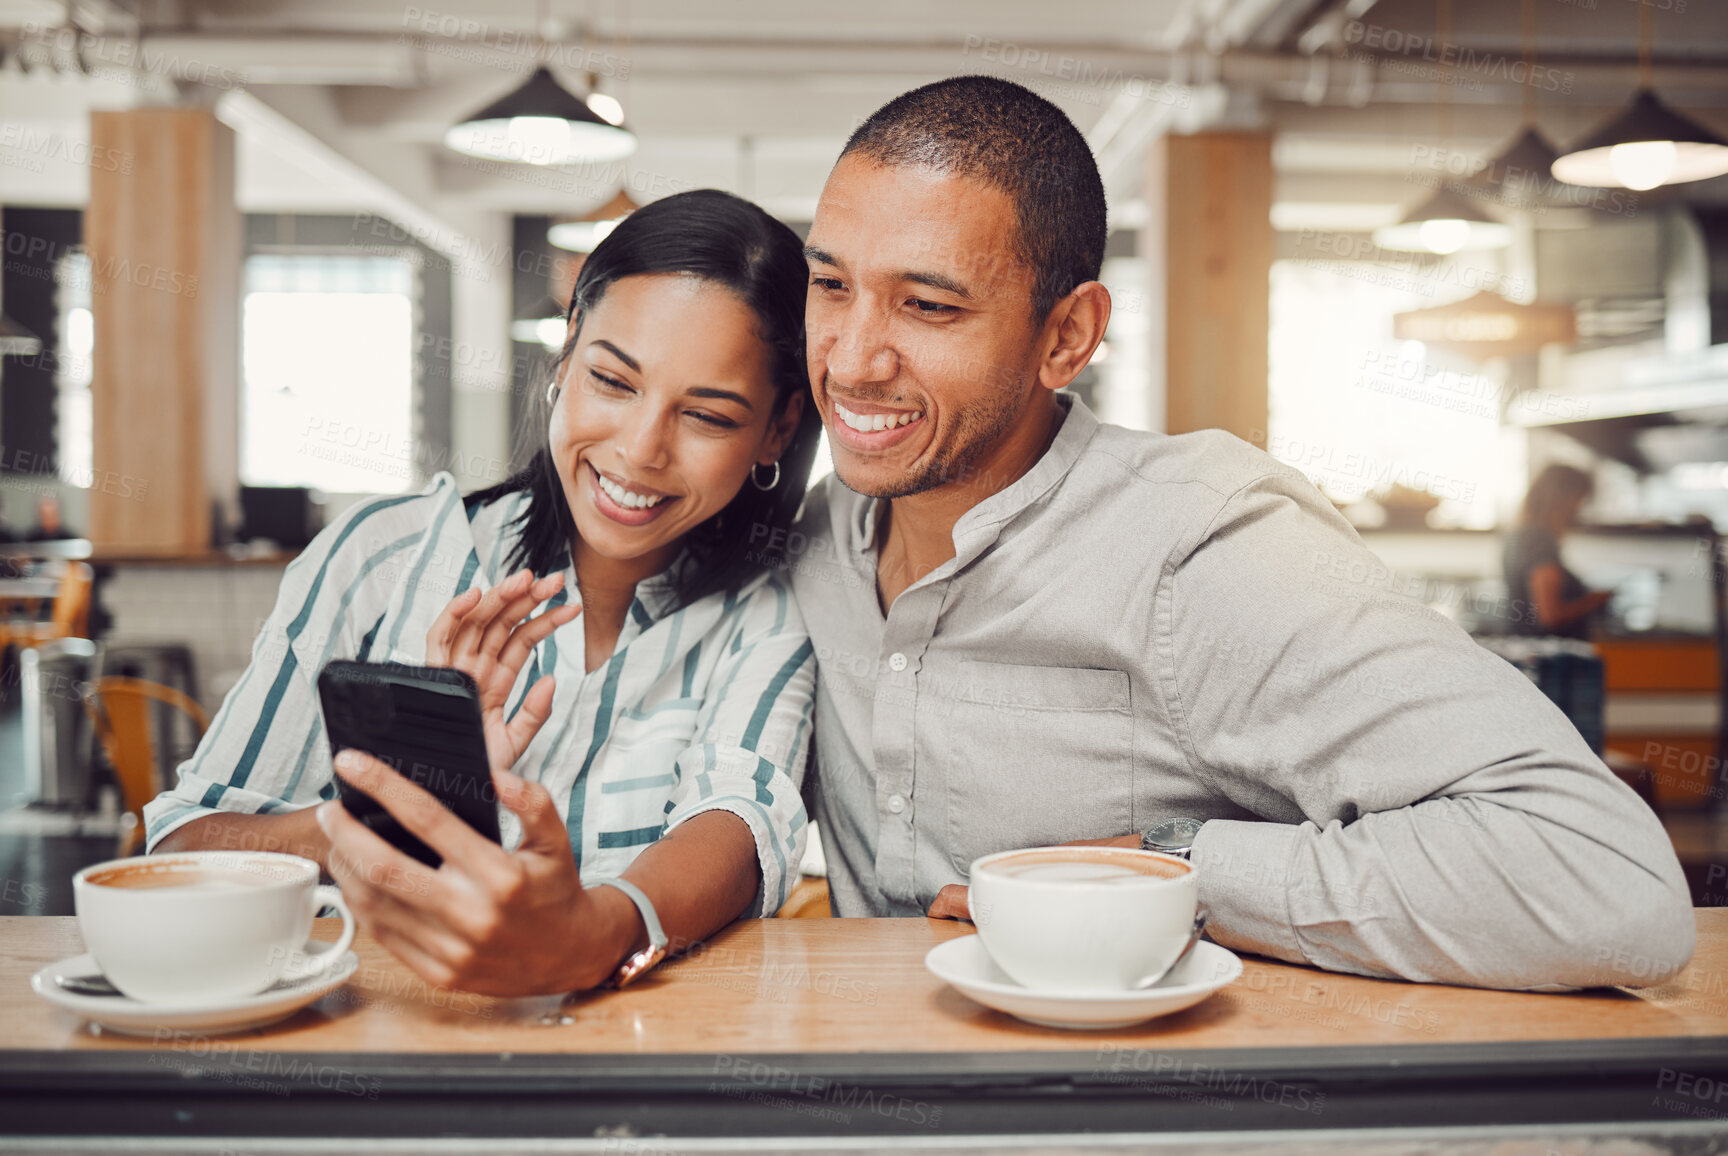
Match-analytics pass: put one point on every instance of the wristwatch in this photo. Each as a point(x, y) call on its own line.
point(640, 961)
point(1172, 836)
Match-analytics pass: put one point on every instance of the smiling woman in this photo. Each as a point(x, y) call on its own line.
point(663, 754)
point(714, 271)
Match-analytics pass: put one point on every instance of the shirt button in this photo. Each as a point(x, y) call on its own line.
point(896, 662)
point(896, 804)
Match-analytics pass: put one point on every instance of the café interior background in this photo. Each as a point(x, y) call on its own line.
point(247, 280)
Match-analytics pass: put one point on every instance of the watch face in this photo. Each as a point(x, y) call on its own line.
point(1178, 832)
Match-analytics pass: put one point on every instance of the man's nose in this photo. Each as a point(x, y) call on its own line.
point(860, 352)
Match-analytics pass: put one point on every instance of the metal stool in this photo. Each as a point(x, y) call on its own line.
point(56, 739)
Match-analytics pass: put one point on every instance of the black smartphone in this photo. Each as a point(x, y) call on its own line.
point(425, 722)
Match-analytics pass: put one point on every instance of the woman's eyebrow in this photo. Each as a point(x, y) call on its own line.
point(720, 395)
point(618, 353)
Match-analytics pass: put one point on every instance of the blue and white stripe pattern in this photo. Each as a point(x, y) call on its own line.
point(706, 708)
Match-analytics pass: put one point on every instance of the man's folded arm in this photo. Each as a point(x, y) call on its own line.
point(1428, 812)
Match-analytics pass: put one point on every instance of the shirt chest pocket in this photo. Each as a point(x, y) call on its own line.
point(1027, 756)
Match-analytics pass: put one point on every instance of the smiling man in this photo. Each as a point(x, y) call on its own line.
point(1033, 628)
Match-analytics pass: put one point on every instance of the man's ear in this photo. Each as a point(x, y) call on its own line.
point(1072, 332)
point(782, 426)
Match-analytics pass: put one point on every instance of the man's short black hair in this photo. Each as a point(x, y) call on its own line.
point(1009, 138)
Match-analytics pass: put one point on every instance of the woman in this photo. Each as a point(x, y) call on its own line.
point(675, 446)
point(1547, 598)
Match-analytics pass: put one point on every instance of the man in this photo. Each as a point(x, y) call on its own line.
point(1032, 628)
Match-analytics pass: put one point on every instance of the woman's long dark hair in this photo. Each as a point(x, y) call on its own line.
point(1553, 489)
point(729, 241)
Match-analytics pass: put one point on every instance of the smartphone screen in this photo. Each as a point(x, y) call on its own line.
point(423, 721)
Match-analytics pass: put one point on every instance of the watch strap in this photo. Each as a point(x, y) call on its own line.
point(639, 961)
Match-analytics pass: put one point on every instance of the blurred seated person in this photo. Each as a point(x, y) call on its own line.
point(1546, 597)
point(49, 527)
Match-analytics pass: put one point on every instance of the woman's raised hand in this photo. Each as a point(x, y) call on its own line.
point(484, 635)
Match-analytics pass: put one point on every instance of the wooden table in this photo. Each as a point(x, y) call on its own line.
point(812, 1027)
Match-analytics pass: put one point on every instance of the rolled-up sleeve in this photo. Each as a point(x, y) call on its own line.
point(265, 751)
point(1431, 815)
point(754, 731)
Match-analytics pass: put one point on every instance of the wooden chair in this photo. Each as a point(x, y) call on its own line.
point(70, 617)
point(119, 710)
point(809, 900)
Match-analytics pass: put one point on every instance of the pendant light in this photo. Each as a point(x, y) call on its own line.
point(543, 123)
point(581, 236)
point(1519, 174)
point(1646, 146)
point(1446, 222)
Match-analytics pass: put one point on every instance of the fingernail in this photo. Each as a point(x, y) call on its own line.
point(322, 813)
point(348, 760)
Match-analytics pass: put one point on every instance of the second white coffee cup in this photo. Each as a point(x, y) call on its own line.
point(1083, 919)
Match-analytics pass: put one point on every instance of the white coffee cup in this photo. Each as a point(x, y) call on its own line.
point(204, 927)
point(1083, 918)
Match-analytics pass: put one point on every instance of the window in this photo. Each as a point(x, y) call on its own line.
point(74, 436)
point(327, 372)
point(1360, 412)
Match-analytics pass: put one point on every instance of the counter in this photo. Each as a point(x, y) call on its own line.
point(830, 1027)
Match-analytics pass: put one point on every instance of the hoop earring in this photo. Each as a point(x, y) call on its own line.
point(552, 392)
point(772, 482)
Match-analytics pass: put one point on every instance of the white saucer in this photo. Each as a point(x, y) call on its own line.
point(130, 1017)
point(965, 964)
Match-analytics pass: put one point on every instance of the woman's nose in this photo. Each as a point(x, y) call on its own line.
point(644, 441)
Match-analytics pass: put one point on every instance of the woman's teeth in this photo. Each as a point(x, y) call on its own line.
point(629, 499)
point(870, 422)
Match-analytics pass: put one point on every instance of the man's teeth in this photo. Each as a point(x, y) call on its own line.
point(629, 499)
point(870, 422)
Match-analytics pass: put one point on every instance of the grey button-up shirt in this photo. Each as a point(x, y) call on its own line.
point(1146, 626)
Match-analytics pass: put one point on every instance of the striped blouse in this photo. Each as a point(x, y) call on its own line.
point(701, 709)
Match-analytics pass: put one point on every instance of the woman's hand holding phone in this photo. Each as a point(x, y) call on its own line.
point(492, 921)
point(497, 922)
